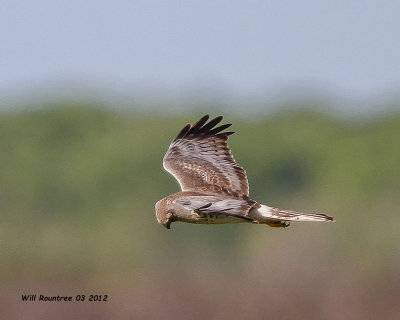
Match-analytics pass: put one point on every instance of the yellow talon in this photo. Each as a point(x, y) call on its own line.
point(279, 224)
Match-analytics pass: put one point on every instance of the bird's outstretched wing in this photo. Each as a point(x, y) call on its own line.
point(215, 205)
point(200, 160)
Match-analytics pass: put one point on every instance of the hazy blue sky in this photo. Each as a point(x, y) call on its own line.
point(245, 46)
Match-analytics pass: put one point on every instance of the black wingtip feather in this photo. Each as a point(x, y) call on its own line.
point(200, 123)
point(201, 127)
point(220, 128)
point(211, 124)
point(184, 131)
point(224, 135)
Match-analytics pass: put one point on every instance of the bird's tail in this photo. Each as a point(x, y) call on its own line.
point(270, 213)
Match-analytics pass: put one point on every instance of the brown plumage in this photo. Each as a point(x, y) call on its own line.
point(214, 186)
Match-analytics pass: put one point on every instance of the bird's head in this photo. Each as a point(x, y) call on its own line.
point(164, 213)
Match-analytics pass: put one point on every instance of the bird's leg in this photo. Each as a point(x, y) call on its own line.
point(279, 224)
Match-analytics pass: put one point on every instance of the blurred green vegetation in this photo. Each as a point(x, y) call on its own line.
point(78, 186)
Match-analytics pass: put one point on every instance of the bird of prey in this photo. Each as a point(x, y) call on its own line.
point(215, 189)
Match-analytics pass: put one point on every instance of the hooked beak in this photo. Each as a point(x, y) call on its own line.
point(168, 224)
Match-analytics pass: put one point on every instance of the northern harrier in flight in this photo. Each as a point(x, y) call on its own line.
point(214, 186)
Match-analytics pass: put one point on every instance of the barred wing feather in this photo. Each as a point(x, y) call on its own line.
point(200, 160)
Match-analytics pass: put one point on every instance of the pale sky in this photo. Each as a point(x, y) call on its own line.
point(351, 47)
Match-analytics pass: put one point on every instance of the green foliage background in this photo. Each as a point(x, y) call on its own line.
point(78, 186)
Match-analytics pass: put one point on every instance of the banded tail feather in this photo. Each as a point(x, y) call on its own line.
point(269, 213)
